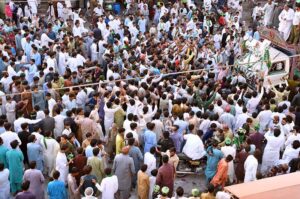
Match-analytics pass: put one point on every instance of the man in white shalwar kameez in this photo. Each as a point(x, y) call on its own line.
point(264, 118)
point(94, 51)
point(62, 61)
point(109, 115)
point(60, 8)
point(241, 119)
point(272, 150)
point(8, 136)
point(59, 123)
point(290, 152)
point(233, 4)
point(33, 6)
point(62, 165)
point(268, 9)
point(250, 167)
point(51, 103)
point(68, 4)
point(50, 150)
point(142, 24)
point(207, 5)
point(10, 108)
point(109, 185)
point(163, 10)
point(51, 12)
point(286, 22)
point(229, 150)
point(294, 135)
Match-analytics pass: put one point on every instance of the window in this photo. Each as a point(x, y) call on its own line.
point(277, 67)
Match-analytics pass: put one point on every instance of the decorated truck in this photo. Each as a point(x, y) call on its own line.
point(270, 59)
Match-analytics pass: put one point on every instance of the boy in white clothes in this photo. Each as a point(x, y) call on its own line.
point(152, 180)
point(67, 130)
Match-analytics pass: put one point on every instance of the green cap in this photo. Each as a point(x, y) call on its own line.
point(257, 126)
point(156, 188)
point(195, 192)
point(165, 190)
point(241, 131)
point(227, 141)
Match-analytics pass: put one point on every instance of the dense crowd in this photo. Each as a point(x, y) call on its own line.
point(97, 104)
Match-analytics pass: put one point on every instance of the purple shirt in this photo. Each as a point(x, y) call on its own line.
point(257, 140)
point(177, 140)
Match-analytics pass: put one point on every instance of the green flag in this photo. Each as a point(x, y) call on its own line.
point(267, 58)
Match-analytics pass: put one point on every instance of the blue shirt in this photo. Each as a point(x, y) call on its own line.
point(209, 134)
point(2, 130)
point(177, 140)
point(89, 151)
point(52, 35)
point(256, 36)
point(57, 190)
point(183, 126)
point(149, 140)
point(37, 59)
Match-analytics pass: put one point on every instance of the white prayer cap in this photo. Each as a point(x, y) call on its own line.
point(109, 88)
point(222, 195)
point(125, 39)
point(246, 37)
point(88, 191)
point(110, 17)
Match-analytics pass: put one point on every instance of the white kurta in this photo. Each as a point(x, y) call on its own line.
point(62, 63)
point(71, 62)
point(193, 147)
point(207, 4)
point(60, 8)
point(142, 25)
point(264, 118)
point(33, 6)
point(150, 161)
point(271, 152)
point(286, 21)
point(109, 116)
point(17, 124)
point(59, 125)
point(289, 154)
point(8, 137)
point(10, 108)
point(62, 166)
point(291, 138)
point(4, 184)
point(51, 104)
point(250, 167)
point(229, 150)
point(241, 120)
point(268, 9)
point(45, 40)
point(50, 149)
point(68, 4)
point(108, 186)
point(94, 52)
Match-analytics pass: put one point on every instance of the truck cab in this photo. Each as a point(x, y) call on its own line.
point(256, 66)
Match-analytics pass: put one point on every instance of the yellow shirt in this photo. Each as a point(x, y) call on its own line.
point(207, 196)
point(120, 143)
